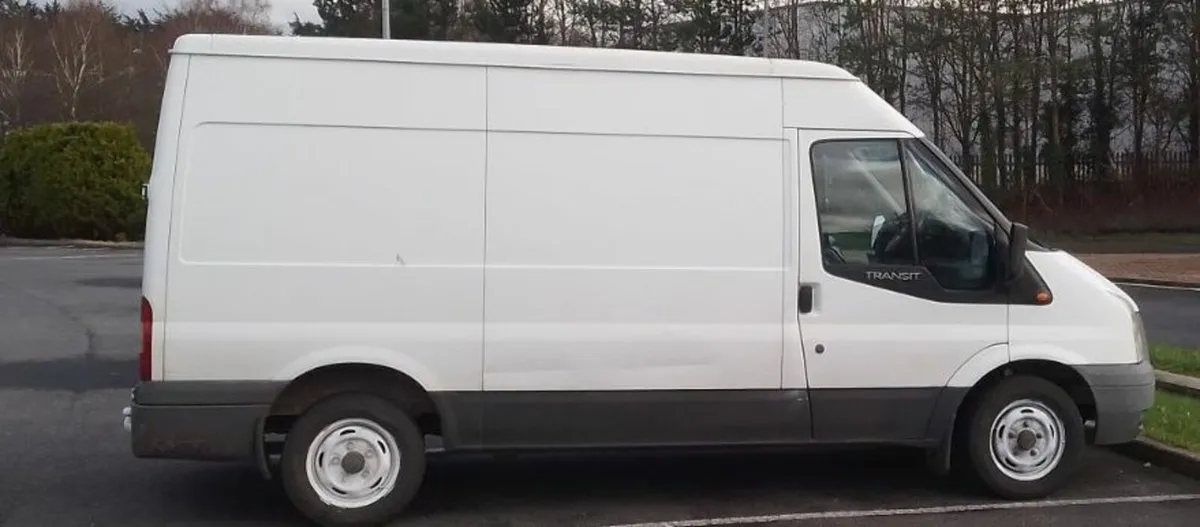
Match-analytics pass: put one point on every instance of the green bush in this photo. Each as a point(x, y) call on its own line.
point(73, 180)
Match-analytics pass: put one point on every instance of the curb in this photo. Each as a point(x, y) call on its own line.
point(1160, 283)
point(1180, 384)
point(1162, 455)
point(23, 242)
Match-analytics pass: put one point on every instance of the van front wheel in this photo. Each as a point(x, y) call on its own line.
point(352, 459)
point(1025, 438)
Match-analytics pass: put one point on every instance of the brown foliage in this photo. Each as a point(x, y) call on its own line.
point(1162, 195)
point(83, 61)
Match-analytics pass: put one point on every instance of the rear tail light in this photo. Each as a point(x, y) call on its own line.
point(144, 353)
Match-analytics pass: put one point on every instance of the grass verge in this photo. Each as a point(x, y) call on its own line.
point(1175, 359)
point(1174, 420)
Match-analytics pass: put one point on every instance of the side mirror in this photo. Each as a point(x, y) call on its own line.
point(1018, 239)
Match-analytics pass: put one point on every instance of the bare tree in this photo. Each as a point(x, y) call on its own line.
point(16, 65)
point(824, 24)
point(993, 55)
point(1104, 51)
point(931, 41)
point(220, 16)
point(871, 47)
point(1183, 53)
point(75, 38)
point(564, 21)
point(1144, 25)
point(961, 77)
point(1055, 15)
point(781, 29)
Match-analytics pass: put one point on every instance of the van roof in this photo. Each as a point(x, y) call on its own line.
point(503, 55)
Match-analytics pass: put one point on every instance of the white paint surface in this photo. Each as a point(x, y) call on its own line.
point(1089, 321)
point(633, 261)
point(486, 216)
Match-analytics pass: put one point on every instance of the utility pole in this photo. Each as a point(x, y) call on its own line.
point(387, 19)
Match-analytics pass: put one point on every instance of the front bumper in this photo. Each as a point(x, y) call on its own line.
point(197, 421)
point(1123, 392)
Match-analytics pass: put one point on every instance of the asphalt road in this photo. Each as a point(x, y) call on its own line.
point(68, 338)
point(1171, 316)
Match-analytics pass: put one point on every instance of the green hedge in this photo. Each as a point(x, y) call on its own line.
point(73, 180)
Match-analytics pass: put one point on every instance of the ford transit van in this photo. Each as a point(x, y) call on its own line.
point(356, 245)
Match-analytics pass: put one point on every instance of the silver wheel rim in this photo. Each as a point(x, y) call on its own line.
point(1027, 440)
point(353, 463)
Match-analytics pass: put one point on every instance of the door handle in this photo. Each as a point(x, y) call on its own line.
point(806, 299)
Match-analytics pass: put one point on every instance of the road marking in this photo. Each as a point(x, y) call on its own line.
point(1160, 286)
point(920, 511)
point(70, 257)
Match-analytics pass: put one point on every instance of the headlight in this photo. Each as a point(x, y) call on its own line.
point(1139, 338)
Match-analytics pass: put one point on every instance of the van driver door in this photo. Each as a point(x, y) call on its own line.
point(898, 282)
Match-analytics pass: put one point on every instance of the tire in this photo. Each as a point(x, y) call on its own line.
point(1045, 408)
point(343, 425)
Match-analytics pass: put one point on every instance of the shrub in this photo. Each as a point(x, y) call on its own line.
point(73, 180)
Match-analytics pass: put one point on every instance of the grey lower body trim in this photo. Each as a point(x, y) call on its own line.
point(643, 418)
point(903, 415)
point(1113, 375)
point(210, 433)
point(156, 393)
point(200, 420)
point(1122, 392)
point(650, 418)
point(224, 420)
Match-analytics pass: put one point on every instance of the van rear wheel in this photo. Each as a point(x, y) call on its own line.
point(352, 459)
point(1025, 438)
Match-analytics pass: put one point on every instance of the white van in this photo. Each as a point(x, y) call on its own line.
point(353, 245)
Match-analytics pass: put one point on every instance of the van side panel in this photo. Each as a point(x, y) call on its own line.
point(844, 105)
point(329, 212)
point(634, 245)
point(641, 104)
point(159, 195)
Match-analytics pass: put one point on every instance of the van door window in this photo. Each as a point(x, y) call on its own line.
point(955, 241)
point(862, 203)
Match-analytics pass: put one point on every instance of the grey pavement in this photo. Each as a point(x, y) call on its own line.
point(68, 341)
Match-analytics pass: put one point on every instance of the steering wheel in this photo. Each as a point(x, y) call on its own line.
point(894, 241)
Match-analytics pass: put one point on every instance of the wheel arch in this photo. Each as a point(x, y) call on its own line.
point(1062, 375)
point(324, 381)
point(392, 384)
